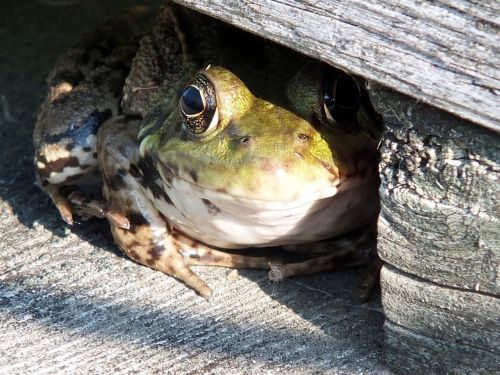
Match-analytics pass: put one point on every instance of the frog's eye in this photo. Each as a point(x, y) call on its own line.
point(341, 99)
point(198, 107)
point(192, 102)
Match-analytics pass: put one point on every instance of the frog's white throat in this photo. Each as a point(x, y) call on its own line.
point(227, 221)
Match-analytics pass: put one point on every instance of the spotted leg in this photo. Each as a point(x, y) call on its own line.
point(150, 239)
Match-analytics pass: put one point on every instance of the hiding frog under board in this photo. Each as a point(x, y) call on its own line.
point(204, 138)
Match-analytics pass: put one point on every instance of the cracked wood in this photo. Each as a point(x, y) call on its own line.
point(445, 53)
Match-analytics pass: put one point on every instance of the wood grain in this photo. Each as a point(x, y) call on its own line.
point(440, 195)
point(445, 53)
point(437, 312)
point(407, 352)
point(439, 234)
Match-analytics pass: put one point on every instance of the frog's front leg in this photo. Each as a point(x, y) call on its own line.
point(150, 239)
point(152, 242)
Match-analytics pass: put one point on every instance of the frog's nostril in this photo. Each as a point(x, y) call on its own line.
point(245, 140)
point(303, 137)
point(298, 155)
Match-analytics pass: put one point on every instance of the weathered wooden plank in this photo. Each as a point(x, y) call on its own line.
point(410, 353)
point(451, 315)
point(445, 53)
point(440, 198)
point(440, 194)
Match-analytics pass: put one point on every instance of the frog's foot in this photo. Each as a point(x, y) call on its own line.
point(70, 200)
point(340, 259)
point(358, 248)
point(370, 279)
point(199, 254)
point(61, 202)
point(87, 207)
point(152, 245)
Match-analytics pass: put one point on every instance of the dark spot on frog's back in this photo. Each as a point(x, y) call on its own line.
point(135, 172)
point(133, 254)
point(194, 176)
point(221, 190)
point(156, 252)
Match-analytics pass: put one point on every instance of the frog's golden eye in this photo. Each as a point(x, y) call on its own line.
point(198, 106)
point(341, 99)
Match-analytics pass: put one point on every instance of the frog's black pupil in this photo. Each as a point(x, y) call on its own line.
point(342, 97)
point(191, 101)
point(347, 92)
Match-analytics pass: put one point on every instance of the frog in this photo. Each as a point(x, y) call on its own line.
point(198, 141)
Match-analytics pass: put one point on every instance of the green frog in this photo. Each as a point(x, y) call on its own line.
point(202, 139)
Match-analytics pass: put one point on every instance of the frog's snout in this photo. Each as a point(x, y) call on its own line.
point(282, 143)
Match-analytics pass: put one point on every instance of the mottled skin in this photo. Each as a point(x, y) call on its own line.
point(85, 89)
point(262, 158)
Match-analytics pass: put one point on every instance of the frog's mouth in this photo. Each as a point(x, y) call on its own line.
point(329, 168)
point(176, 182)
point(245, 201)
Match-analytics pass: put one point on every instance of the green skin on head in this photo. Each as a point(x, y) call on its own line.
point(256, 145)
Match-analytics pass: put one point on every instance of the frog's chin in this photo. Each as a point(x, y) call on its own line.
point(225, 220)
point(267, 198)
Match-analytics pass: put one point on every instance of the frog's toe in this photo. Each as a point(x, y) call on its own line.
point(118, 219)
point(61, 202)
point(192, 280)
point(168, 259)
point(277, 272)
point(86, 207)
point(64, 208)
point(341, 259)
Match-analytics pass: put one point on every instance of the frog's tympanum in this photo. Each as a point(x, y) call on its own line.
point(204, 138)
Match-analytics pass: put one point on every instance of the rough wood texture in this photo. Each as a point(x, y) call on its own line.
point(410, 353)
point(446, 53)
point(450, 315)
point(440, 195)
point(440, 216)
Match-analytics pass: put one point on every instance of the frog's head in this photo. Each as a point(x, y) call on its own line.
point(302, 141)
